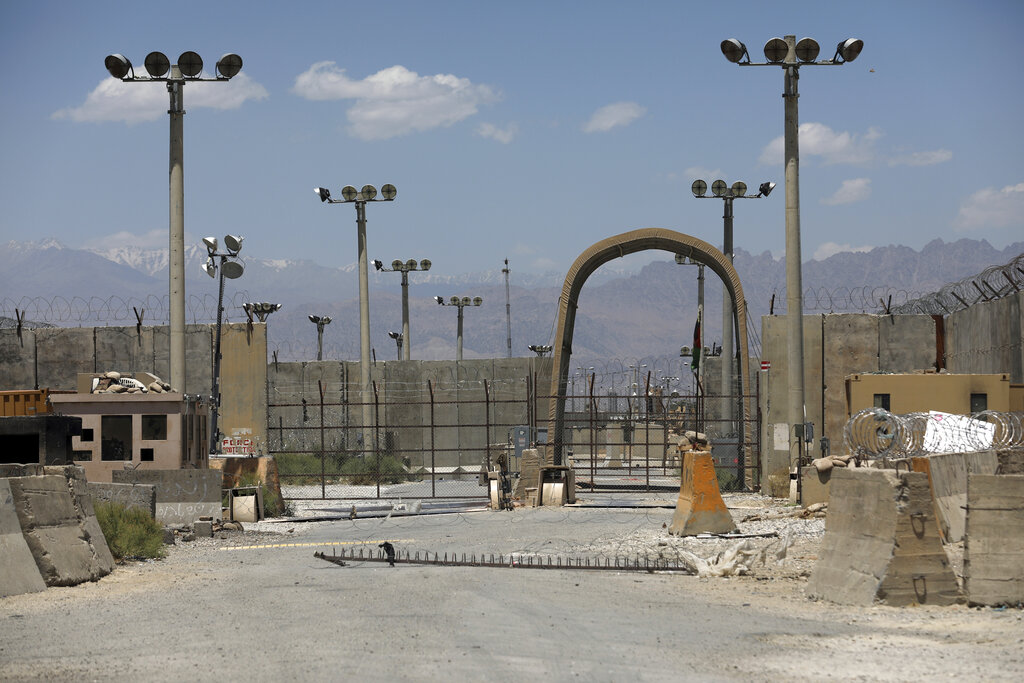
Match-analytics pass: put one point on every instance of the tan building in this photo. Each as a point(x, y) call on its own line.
point(921, 392)
point(135, 431)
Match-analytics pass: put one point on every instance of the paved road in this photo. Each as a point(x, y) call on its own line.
point(275, 612)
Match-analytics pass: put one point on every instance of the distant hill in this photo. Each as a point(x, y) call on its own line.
point(621, 315)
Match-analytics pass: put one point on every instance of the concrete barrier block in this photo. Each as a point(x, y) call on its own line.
point(881, 542)
point(994, 547)
point(700, 508)
point(18, 570)
point(182, 496)
point(947, 477)
point(60, 529)
point(141, 496)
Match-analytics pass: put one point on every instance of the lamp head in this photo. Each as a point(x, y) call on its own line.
point(439, 300)
point(229, 65)
point(425, 264)
point(388, 192)
point(191, 64)
point(349, 193)
point(477, 300)
point(734, 50)
point(395, 335)
point(211, 244)
point(210, 268)
point(739, 188)
point(718, 188)
point(411, 264)
point(699, 188)
point(324, 193)
point(776, 50)
point(766, 188)
point(368, 193)
point(118, 65)
point(232, 270)
point(377, 264)
point(397, 264)
point(233, 243)
point(157, 64)
point(807, 49)
point(848, 50)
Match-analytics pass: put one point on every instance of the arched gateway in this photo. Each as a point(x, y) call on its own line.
point(616, 247)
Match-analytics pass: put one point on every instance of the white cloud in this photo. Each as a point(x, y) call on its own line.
point(612, 115)
point(115, 100)
point(503, 135)
point(938, 156)
point(817, 139)
point(831, 249)
point(992, 208)
point(153, 239)
point(854, 190)
point(544, 263)
point(395, 101)
point(707, 174)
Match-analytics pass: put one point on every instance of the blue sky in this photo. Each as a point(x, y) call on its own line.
point(525, 130)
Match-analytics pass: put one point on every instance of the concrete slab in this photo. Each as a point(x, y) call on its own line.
point(18, 570)
point(994, 549)
point(881, 542)
point(947, 476)
point(182, 496)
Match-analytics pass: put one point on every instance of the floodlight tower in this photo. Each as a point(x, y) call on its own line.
point(727, 193)
point(188, 68)
point(460, 304)
point(791, 55)
point(351, 195)
point(403, 267)
point(397, 336)
point(320, 321)
point(229, 266)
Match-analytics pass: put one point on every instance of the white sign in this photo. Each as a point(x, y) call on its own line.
point(948, 433)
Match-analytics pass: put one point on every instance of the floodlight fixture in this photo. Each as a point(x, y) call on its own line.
point(388, 192)
point(807, 49)
point(157, 64)
point(229, 65)
point(232, 269)
point(425, 264)
point(765, 189)
point(685, 351)
point(477, 300)
point(349, 193)
point(439, 300)
point(739, 188)
point(718, 188)
point(261, 309)
point(776, 50)
point(209, 267)
point(397, 264)
point(454, 301)
point(190, 64)
point(325, 194)
point(368, 193)
point(734, 50)
point(118, 65)
point(377, 264)
point(411, 264)
point(848, 50)
point(233, 243)
point(211, 244)
point(699, 188)
point(395, 335)
point(540, 349)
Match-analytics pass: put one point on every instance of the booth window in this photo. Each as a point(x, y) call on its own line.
point(154, 427)
point(882, 401)
point(116, 437)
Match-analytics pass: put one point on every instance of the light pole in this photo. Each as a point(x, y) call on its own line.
point(188, 68)
point(398, 337)
point(320, 321)
point(404, 267)
point(460, 303)
point(508, 309)
point(360, 197)
point(791, 55)
point(721, 190)
point(229, 266)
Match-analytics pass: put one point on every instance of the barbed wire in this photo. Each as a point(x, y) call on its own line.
point(877, 433)
point(995, 282)
point(117, 309)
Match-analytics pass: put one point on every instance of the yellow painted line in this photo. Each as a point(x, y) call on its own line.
point(313, 545)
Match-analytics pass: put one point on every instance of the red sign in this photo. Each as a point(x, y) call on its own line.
point(766, 365)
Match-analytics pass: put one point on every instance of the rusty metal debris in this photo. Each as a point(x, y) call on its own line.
point(503, 561)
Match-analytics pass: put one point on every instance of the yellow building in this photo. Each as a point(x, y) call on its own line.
point(921, 392)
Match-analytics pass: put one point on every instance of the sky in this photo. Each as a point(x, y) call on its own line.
point(526, 130)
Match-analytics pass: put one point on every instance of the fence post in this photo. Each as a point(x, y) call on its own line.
point(433, 479)
point(487, 425)
point(376, 435)
point(323, 453)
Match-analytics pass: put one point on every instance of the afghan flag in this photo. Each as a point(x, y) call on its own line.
point(698, 345)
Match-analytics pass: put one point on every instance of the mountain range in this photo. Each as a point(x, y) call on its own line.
point(649, 312)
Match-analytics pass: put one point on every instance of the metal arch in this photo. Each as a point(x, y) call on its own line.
point(618, 246)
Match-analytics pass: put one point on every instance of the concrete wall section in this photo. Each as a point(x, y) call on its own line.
point(994, 549)
point(62, 353)
point(182, 496)
point(986, 338)
point(905, 343)
point(852, 345)
point(18, 570)
point(125, 349)
point(243, 382)
point(18, 359)
point(141, 496)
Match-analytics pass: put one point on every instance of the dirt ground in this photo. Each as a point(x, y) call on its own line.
point(257, 603)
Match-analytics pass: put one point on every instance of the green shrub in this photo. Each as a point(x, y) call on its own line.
point(727, 481)
point(130, 532)
point(384, 469)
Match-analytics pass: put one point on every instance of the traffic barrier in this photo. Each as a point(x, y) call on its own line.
point(59, 526)
point(700, 508)
point(18, 570)
point(882, 542)
point(994, 545)
point(947, 478)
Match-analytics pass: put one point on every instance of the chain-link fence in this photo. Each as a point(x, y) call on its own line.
point(434, 441)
